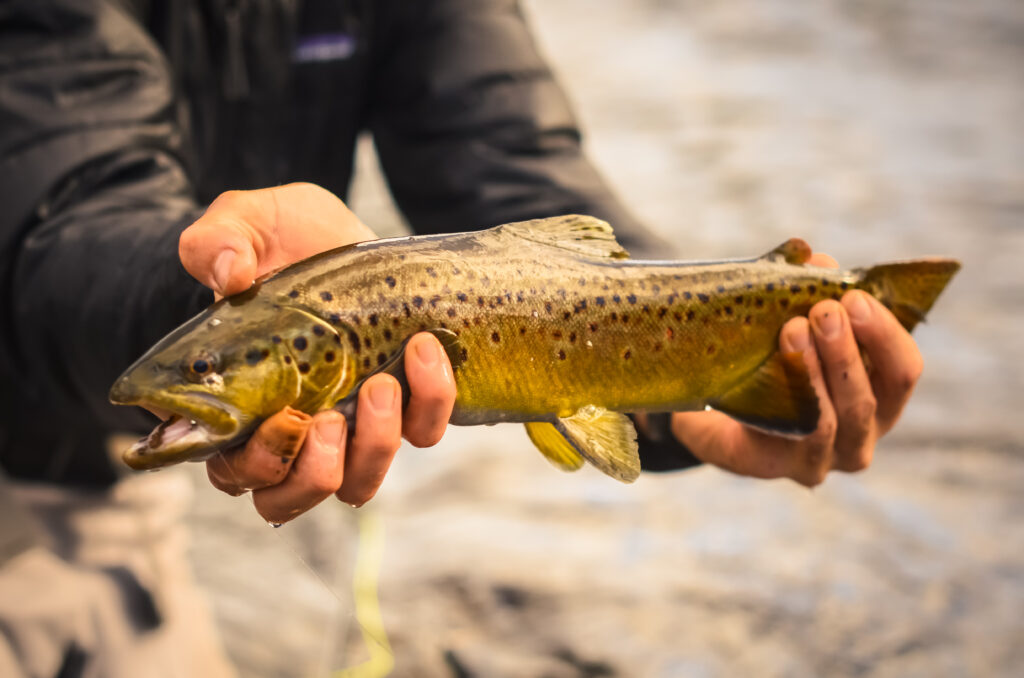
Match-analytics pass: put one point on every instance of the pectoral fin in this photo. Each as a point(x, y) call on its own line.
point(777, 398)
point(554, 446)
point(605, 439)
point(395, 366)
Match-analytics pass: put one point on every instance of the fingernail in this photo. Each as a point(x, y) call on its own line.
point(828, 324)
point(858, 308)
point(798, 340)
point(427, 353)
point(222, 269)
point(382, 394)
point(330, 431)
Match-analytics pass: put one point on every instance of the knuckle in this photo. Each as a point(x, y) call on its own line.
point(860, 413)
point(227, 199)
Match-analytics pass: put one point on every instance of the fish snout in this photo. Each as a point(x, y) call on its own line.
point(124, 392)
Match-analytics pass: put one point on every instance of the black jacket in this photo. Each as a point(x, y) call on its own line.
point(120, 120)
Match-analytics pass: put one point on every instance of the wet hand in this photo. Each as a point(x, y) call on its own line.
point(294, 461)
point(860, 400)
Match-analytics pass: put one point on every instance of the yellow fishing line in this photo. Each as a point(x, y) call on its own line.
point(367, 604)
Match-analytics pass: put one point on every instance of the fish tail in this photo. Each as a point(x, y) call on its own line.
point(909, 288)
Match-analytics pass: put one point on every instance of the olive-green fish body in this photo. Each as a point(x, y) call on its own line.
point(546, 322)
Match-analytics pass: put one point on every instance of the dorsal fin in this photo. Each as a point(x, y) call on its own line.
point(575, 232)
point(794, 251)
point(778, 397)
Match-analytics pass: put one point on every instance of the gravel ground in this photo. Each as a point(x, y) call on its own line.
point(876, 130)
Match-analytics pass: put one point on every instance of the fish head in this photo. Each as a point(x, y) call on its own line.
point(218, 376)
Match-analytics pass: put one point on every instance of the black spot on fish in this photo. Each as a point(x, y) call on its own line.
point(461, 296)
point(616, 298)
point(711, 350)
point(547, 306)
point(690, 315)
point(326, 296)
point(495, 337)
point(593, 327)
point(844, 285)
point(522, 330)
point(625, 317)
point(276, 339)
point(304, 367)
point(366, 363)
point(335, 318)
point(566, 315)
point(560, 292)
point(747, 320)
point(759, 302)
point(656, 347)
point(387, 335)
point(287, 360)
point(390, 280)
point(253, 356)
point(293, 294)
point(614, 316)
point(749, 285)
point(373, 319)
point(704, 298)
point(368, 341)
point(795, 289)
point(561, 355)
point(381, 359)
point(627, 354)
point(728, 310)
point(662, 311)
point(812, 289)
point(337, 338)
point(353, 339)
point(583, 282)
point(581, 306)
point(451, 312)
point(479, 301)
point(655, 288)
point(721, 289)
point(738, 299)
point(557, 334)
point(300, 343)
point(329, 357)
point(463, 354)
point(431, 272)
point(599, 301)
point(687, 295)
point(572, 337)
point(770, 287)
point(356, 320)
point(417, 301)
point(318, 330)
point(783, 303)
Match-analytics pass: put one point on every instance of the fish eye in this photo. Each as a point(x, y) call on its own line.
point(200, 366)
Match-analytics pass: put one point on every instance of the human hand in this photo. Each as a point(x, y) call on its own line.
point(294, 461)
point(860, 399)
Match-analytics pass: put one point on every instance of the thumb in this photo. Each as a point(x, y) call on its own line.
point(220, 252)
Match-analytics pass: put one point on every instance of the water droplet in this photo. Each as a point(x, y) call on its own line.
point(536, 315)
point(192, 423)
point(214, 322)
point(275, 525)
point(590, 344)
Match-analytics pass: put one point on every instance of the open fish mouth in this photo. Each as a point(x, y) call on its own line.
point(194, 429)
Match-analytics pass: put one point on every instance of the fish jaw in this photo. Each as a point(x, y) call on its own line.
point(195, 428)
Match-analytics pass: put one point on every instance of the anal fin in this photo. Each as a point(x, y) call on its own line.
point(777, 398)
point(606, 439)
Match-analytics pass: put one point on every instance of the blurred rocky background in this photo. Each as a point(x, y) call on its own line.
point(876, 130)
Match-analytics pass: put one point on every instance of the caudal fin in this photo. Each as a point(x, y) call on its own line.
point(909, 288)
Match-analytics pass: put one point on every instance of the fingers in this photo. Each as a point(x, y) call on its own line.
point(432, 391)
point(377, 437)
point(223, 247)
point(849, 387)
point(895, 360)
point(316, 474)
point(246, 234)
point(265, 459)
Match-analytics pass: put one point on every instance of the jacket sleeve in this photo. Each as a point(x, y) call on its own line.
point(472, 130)
point(94, 198)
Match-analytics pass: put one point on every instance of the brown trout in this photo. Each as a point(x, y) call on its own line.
point(546, 322)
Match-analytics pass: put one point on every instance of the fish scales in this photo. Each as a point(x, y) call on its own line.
point(546, 320)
